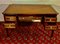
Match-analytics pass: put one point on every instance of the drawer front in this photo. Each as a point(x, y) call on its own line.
point(50, 27)
point(10, 18)
point(31, 18)
point(9, 25)
point(50, 19)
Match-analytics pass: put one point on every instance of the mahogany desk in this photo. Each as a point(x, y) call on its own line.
point(16, 13)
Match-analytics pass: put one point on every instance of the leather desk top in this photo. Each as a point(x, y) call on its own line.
point(30, 9)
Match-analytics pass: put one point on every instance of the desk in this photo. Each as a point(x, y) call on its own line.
point(16, 13)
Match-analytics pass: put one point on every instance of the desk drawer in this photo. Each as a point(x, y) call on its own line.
point(9, 25)
point(10, 18)
point(48, 19)
point(50, 27)
point(30, 19)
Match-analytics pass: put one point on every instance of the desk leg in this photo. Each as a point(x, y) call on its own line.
point(7, 32)
point(52, 33)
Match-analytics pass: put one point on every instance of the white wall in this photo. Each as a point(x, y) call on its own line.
point(57, 8)
point(2, 8)
point(55, 2)
point(23, 1)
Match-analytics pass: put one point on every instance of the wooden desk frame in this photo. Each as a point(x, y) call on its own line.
point(26, 10)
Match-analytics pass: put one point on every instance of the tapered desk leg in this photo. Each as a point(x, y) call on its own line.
point(52, 34)
point(7, 32)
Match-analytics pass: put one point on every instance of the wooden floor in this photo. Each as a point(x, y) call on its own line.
point(31, 34)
